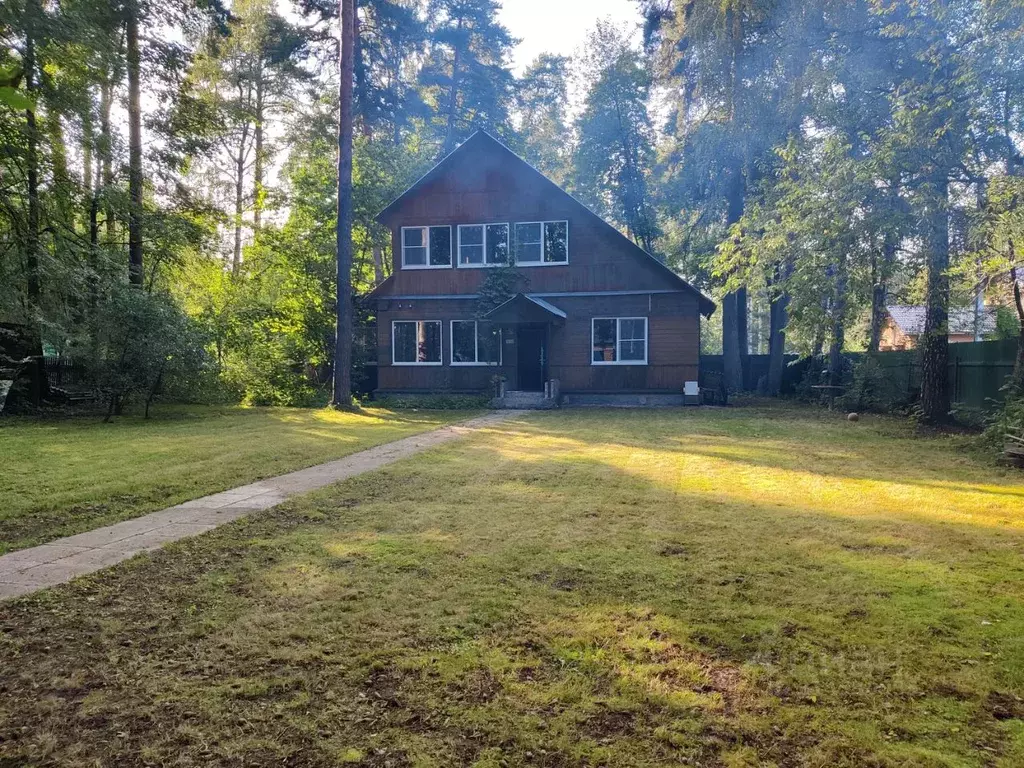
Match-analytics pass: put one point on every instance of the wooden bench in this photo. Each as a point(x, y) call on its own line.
point(713, 390)
point(830, 392)
point(1014, 448)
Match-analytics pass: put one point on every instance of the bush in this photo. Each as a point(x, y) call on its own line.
point(1009, 418)
point(873, 388)
point(145, 344)
point(269, 374)
point(434, 402)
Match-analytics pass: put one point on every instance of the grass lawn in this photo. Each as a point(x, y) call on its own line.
point(63, 477)
point(584, 588)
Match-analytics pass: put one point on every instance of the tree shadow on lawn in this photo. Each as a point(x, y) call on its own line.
point(559, 613)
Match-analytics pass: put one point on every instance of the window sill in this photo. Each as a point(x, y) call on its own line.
point(542, 263)
point(416, 365)
point(479, 266)
point(618, 362)
point(475, 365)
point(426, 266)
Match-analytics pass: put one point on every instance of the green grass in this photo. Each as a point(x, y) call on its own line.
point(721, 588)
point(63, 477)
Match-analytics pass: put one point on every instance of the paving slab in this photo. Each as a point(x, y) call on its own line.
point(59, 561)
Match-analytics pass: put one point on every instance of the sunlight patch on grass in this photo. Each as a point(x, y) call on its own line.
point(67, 477)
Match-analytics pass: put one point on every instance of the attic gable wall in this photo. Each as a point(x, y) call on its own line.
point(483, 183)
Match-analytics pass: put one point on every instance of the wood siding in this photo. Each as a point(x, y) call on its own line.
point(481, 189)
point(673, 337)
point(606, 276)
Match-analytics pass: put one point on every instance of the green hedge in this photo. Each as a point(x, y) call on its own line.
point(434, 402)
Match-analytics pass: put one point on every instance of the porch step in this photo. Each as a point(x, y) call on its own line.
point(522, 401)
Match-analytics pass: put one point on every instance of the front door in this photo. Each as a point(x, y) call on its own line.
point(532, 357)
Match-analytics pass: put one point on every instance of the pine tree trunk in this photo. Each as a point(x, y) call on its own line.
point(343, 338)
point(881, 270)
point(236, 256)
point(91, 179)
point(105, 154)
point(60, 188)
point(135, 266)
point(258, 163)
point(935, 395)
point(778, 314)
point(835, 350)
point(734, 304)
point(453, 101)
point(88, 142)
point(378, 265)
point(818, 343)
point(877, 307)
point(1017, 379)
point(33, 286)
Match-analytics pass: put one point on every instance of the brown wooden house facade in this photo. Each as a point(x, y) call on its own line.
point(591, 310)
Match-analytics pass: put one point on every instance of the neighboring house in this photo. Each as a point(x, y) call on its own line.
point(903, 324)
point(597, 315)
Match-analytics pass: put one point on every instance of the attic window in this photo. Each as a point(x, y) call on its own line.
point(426, 247)
point(483, 245)
point(541, 243)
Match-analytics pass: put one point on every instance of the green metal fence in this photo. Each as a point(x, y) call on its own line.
point(977, 371)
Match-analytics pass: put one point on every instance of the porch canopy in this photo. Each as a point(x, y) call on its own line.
point(522, 308)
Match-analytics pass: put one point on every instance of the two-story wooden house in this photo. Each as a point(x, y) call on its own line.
point(597, 313)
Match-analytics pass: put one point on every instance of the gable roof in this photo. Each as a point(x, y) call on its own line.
point(525, 308)
point(483, 140)
point(910, 319)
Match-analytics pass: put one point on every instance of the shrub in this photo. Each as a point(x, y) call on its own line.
point(434, 402)
point(270, 373)
point(1008, 418)
point(145, 343)
point(873, 388)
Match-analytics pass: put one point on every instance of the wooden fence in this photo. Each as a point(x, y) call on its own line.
point(977, 371)
point(64, 372)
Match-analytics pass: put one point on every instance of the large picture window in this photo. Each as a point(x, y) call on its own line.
point(426, 247)
point(416, 342)
point(475, 343)
point(483, 245)
point(619, 341)
point(542, 243)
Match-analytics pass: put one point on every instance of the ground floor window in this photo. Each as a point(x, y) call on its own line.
point(475, 343)
point(619, 340)
point(416, 342)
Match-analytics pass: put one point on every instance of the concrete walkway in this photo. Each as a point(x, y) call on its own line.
point(59, 561)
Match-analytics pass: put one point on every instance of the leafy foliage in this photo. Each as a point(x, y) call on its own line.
point(616, 144)
point(145, 344)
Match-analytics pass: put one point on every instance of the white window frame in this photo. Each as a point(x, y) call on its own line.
point(476, 346)
point(543, 244)
point(484, 264)
point(440, 340)
point(618, 342)
point(428, 265)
